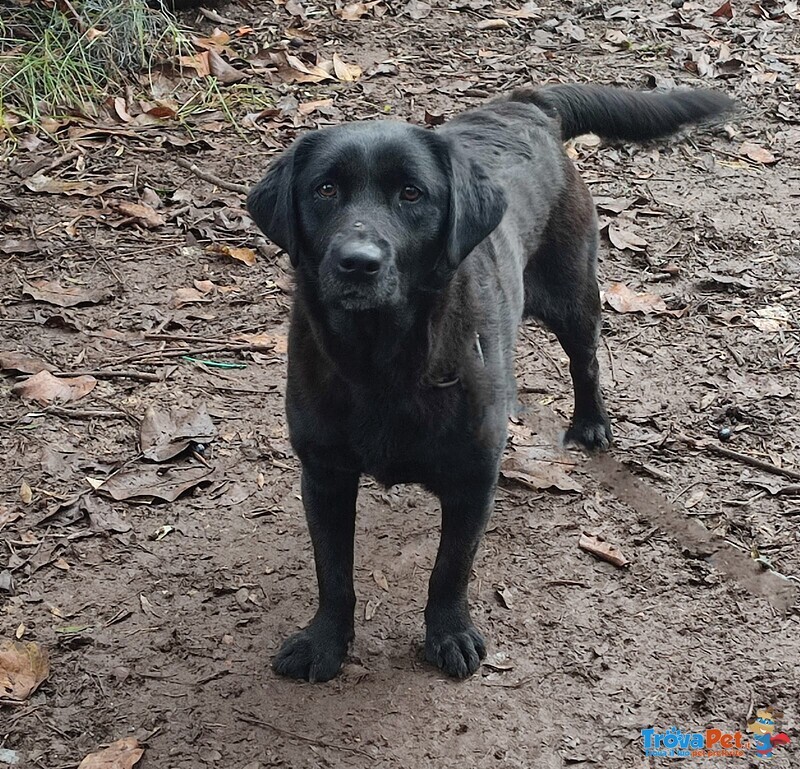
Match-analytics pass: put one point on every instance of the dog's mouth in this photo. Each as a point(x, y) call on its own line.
point(346, 295)
point(359, 289)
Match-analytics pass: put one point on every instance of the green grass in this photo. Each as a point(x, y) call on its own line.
point(52, 62)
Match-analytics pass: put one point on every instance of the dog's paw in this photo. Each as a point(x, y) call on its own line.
point(314, 654)
point(458, 654)
point(591, 434)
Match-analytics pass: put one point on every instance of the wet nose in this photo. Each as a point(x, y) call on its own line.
point(359, 259)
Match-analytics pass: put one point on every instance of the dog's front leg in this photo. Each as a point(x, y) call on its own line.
point(452, 643)
point(316, 653)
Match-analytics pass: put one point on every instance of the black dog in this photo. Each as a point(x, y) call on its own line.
point(417, 255)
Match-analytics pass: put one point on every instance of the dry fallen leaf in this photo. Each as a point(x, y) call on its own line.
point(597, 546)
point(276, 342)
point(18, 246)
point(493, 24)
point(122, 754)
point(725, 11)
point(189, 295)
point(245, 255)
point(42, 183)
point(44, 388)
point(165, 435)
point(417, 9)
point(504, 596)
point(155, 482)
point(17, 361)
point(380, 580)
point(25, 493)
point(620, 298)
point(347, 73)
point(23, 666)
point(371, 608)
point(223, 71)
point(757, 153)
point(53, 292)
point(291, 69)
point(198, 62)
point(623, 239)
point(540, 470)
point(141, 212)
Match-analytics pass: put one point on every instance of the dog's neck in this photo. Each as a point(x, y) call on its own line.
point(389, 349)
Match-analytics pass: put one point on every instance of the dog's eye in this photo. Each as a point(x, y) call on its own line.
point(410, 193)
point(327, 190)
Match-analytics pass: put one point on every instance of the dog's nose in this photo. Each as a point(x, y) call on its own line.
point(359, 259)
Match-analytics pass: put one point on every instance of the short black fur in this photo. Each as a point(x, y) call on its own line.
point(417, 255)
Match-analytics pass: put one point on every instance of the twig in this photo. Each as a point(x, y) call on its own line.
point(723, 451)
point(247, 718)
point(86, 413)
point(209, 177)
point(154, 356)
point(144, 376)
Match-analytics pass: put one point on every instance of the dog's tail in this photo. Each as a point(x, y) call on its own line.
point(621, 113)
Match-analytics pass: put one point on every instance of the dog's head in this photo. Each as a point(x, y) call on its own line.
point(371, 212)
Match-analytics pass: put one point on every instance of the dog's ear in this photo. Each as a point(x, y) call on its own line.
point(477, 206)
point(271, 204)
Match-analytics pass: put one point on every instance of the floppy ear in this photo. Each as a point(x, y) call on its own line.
point(271, 204)
point(477, 206)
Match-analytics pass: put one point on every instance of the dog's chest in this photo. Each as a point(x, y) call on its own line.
point(404, 442)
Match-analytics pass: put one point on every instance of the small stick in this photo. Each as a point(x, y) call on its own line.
point(144, 376)
point(723, 451)
point(247, 718)
point(86, 413)
point(209, 177)
point(147, 357)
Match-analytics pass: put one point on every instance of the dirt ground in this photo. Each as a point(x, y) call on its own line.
point(161, 617)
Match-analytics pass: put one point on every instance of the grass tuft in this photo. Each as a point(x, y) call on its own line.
point(64, 58)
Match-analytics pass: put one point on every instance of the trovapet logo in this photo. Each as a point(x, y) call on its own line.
point(762, 738)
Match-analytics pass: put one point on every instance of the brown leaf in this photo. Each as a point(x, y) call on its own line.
point(198, 62)
point(18, 246)
point(380, 580)
point(53, 292)
point(538, 471)
point(42, 183)
point(504, 596)
point(141, 212)
point(417, 9)
point(596, 545)
point(371, 608)
point(757, 153)
point(25, 364)
point(528, 11)
point(293, 70)
point(188, 295)
point(165, 435)
point(122, 754)
point(44, 388)
point(353, 11)
point(493, 24)
point(278, 342)
point(347, 73)
point(623, 239)
point(23, 666)
point(307, 107)
point(725, 11)
point(25, 493)
point(155, 482)
point(431, 119)
point(223, 71)
point(620, 298)
point(245, 255)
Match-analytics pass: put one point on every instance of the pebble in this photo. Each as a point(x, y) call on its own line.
point(724, 434)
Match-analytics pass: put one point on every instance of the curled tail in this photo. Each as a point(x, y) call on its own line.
point(620, 113)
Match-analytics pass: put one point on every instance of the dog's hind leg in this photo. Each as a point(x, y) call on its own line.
point(316, 653)
point(567, 301)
